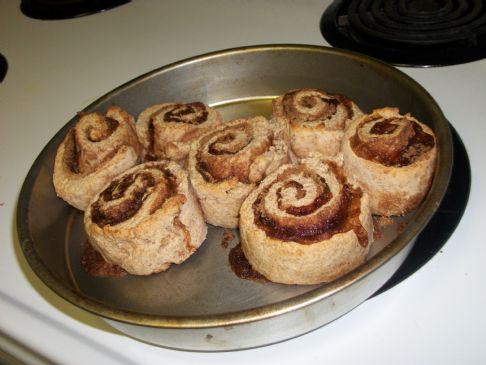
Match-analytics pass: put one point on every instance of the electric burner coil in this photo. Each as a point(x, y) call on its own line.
point(409, 32)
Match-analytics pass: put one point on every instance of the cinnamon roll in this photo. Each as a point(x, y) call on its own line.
point(226, 164)
point(167, 130)
point(146, 219)
point(305, 224)
point(94, 151)
point(392, 157)
point(315, 119)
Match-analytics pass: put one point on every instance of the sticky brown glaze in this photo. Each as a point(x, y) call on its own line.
point(150, 155)
point(105, 128)
point(96, 138)
point(220, 153)
point(392, 142)
point(228, 236)
point(315, 221)
point(122, 199)
point(185, 233)
point(71, 153)
point(191, 113)
point(194, 113)
point(92, 133)
point(307, 105)
point(241, 267)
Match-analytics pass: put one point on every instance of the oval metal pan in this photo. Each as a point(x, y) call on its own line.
point(238, 81)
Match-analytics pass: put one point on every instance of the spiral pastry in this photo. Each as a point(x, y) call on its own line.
point(167, 130)
point(315, 119)
point(392, 157)
point(146, 219)
point(94, 151)
point(305, 225)
point(226, 164)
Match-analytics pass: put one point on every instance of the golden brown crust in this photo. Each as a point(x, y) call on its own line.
point(166, 130)
point(95, 150)
point(305, 225)
point(146, 219)
point(392, 157)
point(315, 119)
point(226, 164)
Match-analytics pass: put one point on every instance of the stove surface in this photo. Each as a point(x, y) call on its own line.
point(56, 68)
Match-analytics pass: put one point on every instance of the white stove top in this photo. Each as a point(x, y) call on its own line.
point(58, 67)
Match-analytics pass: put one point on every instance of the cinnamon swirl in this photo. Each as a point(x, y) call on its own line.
point(146, 219)
point(315, 119)
point(392, 157)
point(226, 164)
point(167, 130)
point(98, 148)
point(305, 224)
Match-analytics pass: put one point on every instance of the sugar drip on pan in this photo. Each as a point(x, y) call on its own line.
point(241, 267)
point(95, 265)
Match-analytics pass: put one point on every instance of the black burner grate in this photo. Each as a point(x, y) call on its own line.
point(64, 9)
point(3, 67)
point(409, 32)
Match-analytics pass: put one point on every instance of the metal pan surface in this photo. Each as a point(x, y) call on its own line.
point(201, 304)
